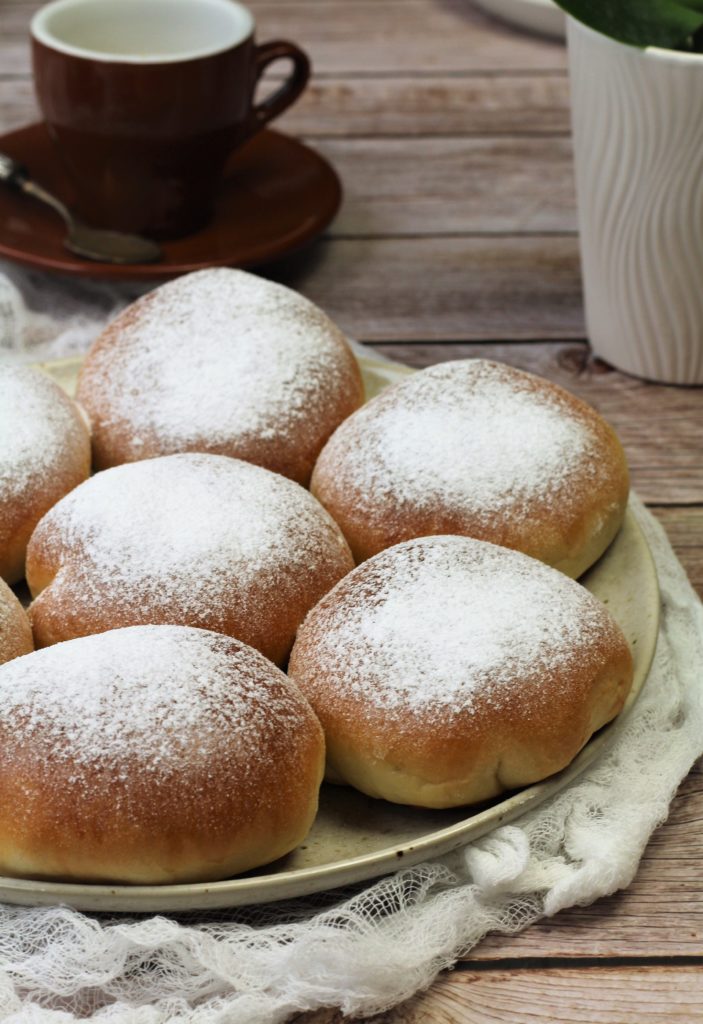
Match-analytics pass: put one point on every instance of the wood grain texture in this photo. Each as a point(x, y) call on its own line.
point(512, 185)
point(684, 527)
point(666, 994)
point(477, 104)
point(366, 36)
point(381, 106)
point(428, 186)
point(445, 289)
point(663, 449)
point(17, 103)
point(617, 995)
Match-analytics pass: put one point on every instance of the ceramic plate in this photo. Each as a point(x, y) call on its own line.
point(276, 197)
point(541, 16)
point(354, 837)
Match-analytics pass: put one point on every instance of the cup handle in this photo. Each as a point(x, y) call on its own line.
point(286, 94)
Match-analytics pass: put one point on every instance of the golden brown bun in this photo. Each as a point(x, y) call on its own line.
point(15, 631)
point(219, 361)
point(152, 755)
point(45, 453)
point(193, 540)
point(479, 449)
point(447, 670)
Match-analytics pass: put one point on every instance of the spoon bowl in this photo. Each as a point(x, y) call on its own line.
point(109, 246)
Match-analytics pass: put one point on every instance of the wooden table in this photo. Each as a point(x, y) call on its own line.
point(457, 238)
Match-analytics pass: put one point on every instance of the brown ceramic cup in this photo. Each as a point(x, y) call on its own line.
point(146, 99)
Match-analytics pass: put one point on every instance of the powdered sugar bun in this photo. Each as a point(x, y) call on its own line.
point(447, 670)
point(477, 448)
point(15, 631)
point(219, 361)
point(198, 540)
point(44, 453)
point(150, 755)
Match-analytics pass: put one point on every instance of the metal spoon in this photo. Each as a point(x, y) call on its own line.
point(91, 243)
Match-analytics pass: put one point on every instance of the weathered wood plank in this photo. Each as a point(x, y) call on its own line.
point(447, 289)
point(684, 527)
point(488, 185)
point(664, 452)
point(17, 103)
point(339, 106)
point(559, 995)
point(365, 36)
point(396, 187)
point(434, 105)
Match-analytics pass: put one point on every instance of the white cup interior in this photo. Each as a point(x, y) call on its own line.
point(142, 31)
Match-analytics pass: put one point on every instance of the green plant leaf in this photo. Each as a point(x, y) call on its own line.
point(672, 24)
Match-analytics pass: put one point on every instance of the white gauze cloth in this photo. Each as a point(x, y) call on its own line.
point(368, 949)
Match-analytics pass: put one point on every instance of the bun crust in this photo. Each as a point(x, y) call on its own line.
point(447, 670)
point(152, 755)
point(15, 631)
point(479, 449)
point(224, 362)
point(45, 454)
point(193, 540)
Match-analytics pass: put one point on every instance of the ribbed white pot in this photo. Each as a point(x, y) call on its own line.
point(638, 145)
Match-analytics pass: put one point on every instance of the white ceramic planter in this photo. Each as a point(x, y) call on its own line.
point(638, 145)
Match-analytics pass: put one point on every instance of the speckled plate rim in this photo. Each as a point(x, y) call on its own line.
point(628, 561)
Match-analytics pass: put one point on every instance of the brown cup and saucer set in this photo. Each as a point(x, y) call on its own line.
point(151, 127)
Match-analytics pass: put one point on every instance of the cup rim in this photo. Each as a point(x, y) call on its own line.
point(660, 53)
point(41, 34)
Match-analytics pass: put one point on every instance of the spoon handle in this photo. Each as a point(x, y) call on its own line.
point(12, 172)
point(90, 243)
point(16, 175)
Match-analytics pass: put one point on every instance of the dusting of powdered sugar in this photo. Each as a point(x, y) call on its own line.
point(471, 434)
point(189, 533)
point(38, 425)
point(150, 699)
point(216, 355)
point(438, 622)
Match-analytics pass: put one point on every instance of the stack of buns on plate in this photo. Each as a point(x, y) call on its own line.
point(212, 635)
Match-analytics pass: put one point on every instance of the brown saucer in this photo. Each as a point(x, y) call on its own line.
point(277, 195)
